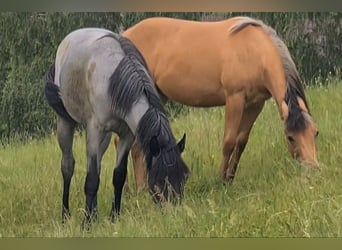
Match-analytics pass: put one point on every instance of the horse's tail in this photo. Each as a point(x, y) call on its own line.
point(52, 94)
point(294, 83)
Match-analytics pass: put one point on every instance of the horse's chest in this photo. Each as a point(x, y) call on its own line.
point(256, 95)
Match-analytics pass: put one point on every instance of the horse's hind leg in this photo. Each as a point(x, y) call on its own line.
point(65, 135)
point(249, 116)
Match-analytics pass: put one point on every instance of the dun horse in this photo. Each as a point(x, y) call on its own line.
point(100, 80)
point(240, 63)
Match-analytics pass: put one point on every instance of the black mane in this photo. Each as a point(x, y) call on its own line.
point(168, 168)
point(296, 120)
point(129, 81)
point(155, 125)
point(129, 48)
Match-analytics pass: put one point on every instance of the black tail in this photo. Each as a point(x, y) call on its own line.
point(53, 97)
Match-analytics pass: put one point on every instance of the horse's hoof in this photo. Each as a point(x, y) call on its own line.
point(228, 180)
point(94, 215)
point(113, 217)
point(86, 225)
point(141, 188)
point(65, 216)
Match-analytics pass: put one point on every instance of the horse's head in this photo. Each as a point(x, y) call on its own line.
point(167, 172)
point(301, 133)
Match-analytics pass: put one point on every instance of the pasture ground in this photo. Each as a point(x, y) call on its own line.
point(272, 196)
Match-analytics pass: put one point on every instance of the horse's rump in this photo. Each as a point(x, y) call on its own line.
point(52, 94)
point(85, 60)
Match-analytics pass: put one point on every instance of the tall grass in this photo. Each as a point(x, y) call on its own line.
point(272, 196)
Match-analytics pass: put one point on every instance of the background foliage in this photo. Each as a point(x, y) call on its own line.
point(28, 42)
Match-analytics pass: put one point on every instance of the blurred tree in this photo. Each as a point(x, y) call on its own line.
point(28, 43)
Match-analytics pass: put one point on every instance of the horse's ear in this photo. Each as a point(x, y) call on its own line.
point(181, 143)
point(154, 146)
point(302, 105)
point(284, 111)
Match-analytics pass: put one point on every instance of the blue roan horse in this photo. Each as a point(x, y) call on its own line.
point(100, 80)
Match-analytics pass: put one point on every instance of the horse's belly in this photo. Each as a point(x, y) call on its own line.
point(192, 94)
point(192, 85)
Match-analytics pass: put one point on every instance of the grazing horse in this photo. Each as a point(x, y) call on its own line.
point(99, 80)
point(240, 63)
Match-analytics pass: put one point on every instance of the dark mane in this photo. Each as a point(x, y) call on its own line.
point(155, 125)
point(296, 120)
point(169, 166)
point(129, 48)
point(130, 80)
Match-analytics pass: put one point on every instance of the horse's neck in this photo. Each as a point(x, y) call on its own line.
point(138, 110)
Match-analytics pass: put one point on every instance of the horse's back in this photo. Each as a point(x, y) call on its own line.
point(85, 60)
point(199, 58)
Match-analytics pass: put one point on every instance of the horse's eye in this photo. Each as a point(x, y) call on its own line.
point(290, 139)
point(317, 133)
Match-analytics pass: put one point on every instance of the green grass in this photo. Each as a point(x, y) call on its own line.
point(271, 195)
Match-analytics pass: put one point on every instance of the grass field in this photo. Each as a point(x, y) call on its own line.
point(271, 195)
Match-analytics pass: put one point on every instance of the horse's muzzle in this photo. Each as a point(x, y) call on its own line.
point(310, 164)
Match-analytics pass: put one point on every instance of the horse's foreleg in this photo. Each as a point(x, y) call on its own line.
point(96, 144)
point(65, 134)
point(104, 143)
point(139, 167)
point(120, 173)
point(233, 115)
point(249, 116)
